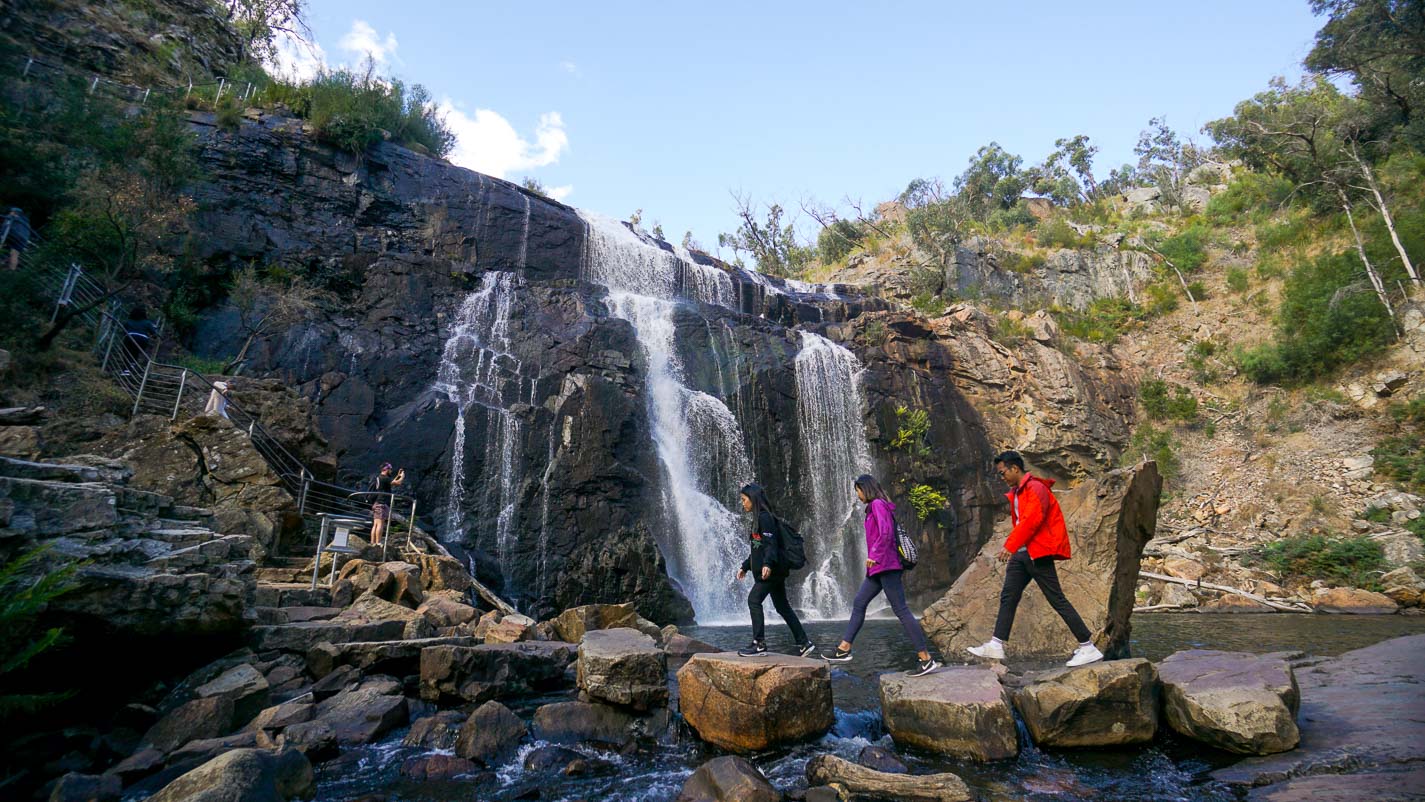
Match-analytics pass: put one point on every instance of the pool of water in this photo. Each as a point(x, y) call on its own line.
point(1170, 769)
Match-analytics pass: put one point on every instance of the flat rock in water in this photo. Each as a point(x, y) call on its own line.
point(1362, 730)
point(960, 711)
point(1236, 701)
point(855, 783)
point(623, 666)
point(1353, 601)
point(595, 723)
point(244, 774)
point(728, 779)
point(1110, 703)
point(362, 715)
point(437, 767)
point(440, 731)
point(879, 758)
point(747, 704)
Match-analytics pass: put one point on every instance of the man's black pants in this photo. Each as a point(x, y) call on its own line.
point(776, 587)
point(1016, 578)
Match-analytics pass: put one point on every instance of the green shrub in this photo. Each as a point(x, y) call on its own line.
point(1056, 232)
point(1197, 360)
point(26, 591)
point(1187, 249)
point(1198, 290)
point(1416, 527)
point(1150, 442)
point(1237, 280)
point(1162, 298)
point(1018, 262)
point(875, 333)
point(914, 426)
point(354, 111)
point(1163, 401)
point(837, 240)
point(1354, 561)
point(1010, 332)
point(1103, 321)
point(1002, 220)
point(927, 500)
point(1292, 231)
point(1402, 457)
point(1380, 515)
point(1250, 195)
point(928, 303)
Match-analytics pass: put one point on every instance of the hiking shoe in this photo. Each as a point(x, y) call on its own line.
point(991, 650)
point(1085, 655)
point(838, 656)
point(806, 649)
point(925, 667)
point(753, 649)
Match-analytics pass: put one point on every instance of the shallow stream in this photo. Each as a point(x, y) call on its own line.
point(1170, 769)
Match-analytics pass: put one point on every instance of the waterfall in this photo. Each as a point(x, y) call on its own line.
point(831, 412)
point(479, 374)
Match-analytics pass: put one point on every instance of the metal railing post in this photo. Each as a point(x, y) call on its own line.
point(221, 82)
point(109, 335)
point(182, 381)
point(317, 561)
point(138, 397)
point(69, 279)
point(302, 496)
point(411, 524)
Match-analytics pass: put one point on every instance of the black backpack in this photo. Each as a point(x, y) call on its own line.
point(794, 550)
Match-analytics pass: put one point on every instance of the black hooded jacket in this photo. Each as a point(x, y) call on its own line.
point(766, 542)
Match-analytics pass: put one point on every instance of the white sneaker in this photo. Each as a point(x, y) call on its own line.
point(1085, 655)
point(991, 650)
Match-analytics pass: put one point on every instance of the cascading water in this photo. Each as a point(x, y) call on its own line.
point(700, 443)
point(830, 412)
point(479, 374)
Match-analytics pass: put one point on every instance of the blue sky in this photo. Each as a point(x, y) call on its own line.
point(670, 107)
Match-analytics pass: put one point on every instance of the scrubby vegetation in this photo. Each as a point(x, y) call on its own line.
point(1401, 457)
point(927, 501)
point(1354, 561)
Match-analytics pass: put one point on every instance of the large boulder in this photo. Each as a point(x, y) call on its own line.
point(191, 721)
point(855, 783)
point(1110, 703)
point(441, 573)
point(438, 731)
point(491, 734)
point(1353, 601)
point(1236, 701)
point(396, 657)
point(244, 775)
point(490, 671)
point(400, 583)
point(624, 667)
point(244, 685)
point(1110, 519)
point(747, 704)
point(728, 779)
point(572, 624)
point(959, 711)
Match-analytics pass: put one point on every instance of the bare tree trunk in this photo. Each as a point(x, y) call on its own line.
point(1385, 214)
point(1181, 279)
point(1370, 269)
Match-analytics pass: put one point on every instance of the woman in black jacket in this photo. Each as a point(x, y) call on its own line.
point(769, 575)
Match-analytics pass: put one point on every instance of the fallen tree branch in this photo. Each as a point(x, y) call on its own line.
point(22, 416)
point(1225, 589)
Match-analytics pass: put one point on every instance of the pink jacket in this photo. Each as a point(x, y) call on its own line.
point(881, 537)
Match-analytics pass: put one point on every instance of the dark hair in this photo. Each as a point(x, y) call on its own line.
point(758, 497)
point(1010, 458)
point(870, 488)
point(138, 312)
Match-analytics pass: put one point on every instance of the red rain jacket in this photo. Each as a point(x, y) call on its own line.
point(1038, 521)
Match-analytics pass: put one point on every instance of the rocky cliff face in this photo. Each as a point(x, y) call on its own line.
point(472, 339)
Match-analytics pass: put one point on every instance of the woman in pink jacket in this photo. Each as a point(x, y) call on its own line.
point(883, 573)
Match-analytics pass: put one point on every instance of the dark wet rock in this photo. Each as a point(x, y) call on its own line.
point(1110, 519)
point(1360, 730)
point(959, 711)
point(242, 775)
point(491, 734)
point(557, 759)
point(1236, 701)
point(201, 751)
point(594, 723)
point(624, 667)
point(335, 682)
point(728, 779)
point(301, 637)
point(75, 787)
point(138, 765)
point(438, 731)
point(244, 685)
point(856, 783)
point(490, 671)
point(1109, 703)
point(748, 704)
point(200, 718)
point(437, 767)
point(681, 648)
point(879, 758)
point(361, 716)
point(315, 739)
point(396, 657)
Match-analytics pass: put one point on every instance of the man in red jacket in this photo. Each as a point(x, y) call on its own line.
point(1038, 539)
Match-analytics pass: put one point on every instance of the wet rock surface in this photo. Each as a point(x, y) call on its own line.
point(960, 711)
point(1236, 701)
point(746, 704)
point(623, 666)
point(853, 782)
point(1109, 703)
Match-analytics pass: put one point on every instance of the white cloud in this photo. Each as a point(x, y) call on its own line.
point(561, 192)
point(297, 60)
point(488, 143)
point(571, 68)
point(363, 41)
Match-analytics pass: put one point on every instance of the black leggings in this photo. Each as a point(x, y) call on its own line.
point(1042, 571)
point(890, 582)
point(776, 587)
